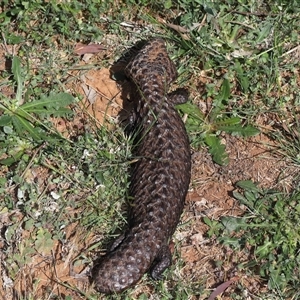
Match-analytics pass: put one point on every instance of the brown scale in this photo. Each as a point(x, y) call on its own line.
point(160, 177)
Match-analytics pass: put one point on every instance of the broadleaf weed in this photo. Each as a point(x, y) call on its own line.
point(207, 128)
point(25, 119)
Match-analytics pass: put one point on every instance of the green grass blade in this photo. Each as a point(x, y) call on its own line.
point(225, 90)
point(216, 149)
point(11, 160)
point(220, 100)
point(16, 69)
point(22, 126)
point(242, 77)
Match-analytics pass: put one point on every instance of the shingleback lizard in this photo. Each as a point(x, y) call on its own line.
point(160, 176)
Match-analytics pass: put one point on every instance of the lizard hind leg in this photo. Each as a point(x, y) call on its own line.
point(179, 96)
point(161, 263)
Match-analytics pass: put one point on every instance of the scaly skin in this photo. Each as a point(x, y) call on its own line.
point(160, 177)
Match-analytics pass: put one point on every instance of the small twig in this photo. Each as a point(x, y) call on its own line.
point(6, 47)
point(30, 163)
point(253, 14)
point(83, 275)
point(240, 23)
point(36, 151)
point(290, 51)
point(44, 190)
point(4, 42)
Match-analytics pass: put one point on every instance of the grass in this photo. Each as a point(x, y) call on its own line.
point(267, 234)
point(239, 61)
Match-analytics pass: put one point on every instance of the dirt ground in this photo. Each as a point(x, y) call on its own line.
point(210, 195)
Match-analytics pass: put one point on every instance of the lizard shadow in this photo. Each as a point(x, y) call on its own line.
point(128, 89)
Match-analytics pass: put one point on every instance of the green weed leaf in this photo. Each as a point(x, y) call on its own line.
point(263, 250)
point(214, 226)
point(44, 241)
point(192, 110)
point(11, 160)
point(231, 241)
point(232, 125)
point(29, 224)
point(207, 221)
point(14, 39)
point(264, 32)
point(8, 129)
point(240, 197)
point(54, 104)
point(242, 77)
point(223, 123)
point(247, 131)
point(168, 4)
point(232, 223)
point(216, 149)
point(243, 200)
point(5, 120)
point(277, 278)
point(251, 197)
point(247, 185)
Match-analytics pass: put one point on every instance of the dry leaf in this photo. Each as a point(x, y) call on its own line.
point(81, 49)
point(181, 30)
point(221, 288)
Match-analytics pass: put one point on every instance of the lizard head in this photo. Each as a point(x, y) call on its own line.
point(152, 61)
